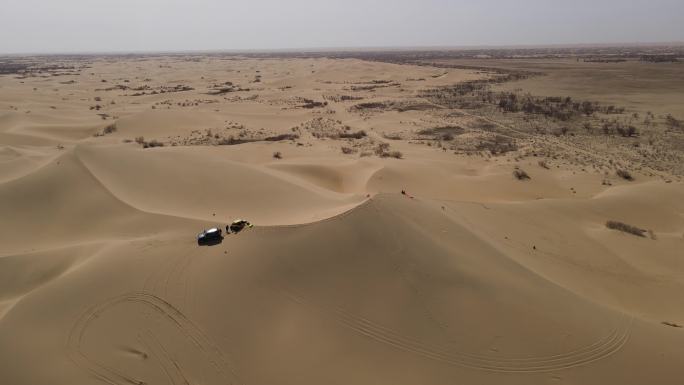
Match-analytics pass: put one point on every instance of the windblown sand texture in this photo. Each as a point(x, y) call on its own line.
point(470, 277)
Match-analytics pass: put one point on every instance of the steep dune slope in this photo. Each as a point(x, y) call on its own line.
point(339, 176)
point(396, 282)
point(198, 183)
point(63, 204)
point(16, 162)
point(567, 242)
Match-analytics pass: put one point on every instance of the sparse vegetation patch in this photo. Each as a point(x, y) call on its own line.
point(625, 228)
point(624, 174)
point(520, 174)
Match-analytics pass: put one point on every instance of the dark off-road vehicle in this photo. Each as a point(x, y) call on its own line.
point(210, 236)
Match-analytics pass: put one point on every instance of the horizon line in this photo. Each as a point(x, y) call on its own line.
point(331, 49)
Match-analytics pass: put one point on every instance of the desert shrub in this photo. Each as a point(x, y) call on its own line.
point(666, 58)
point(229, 141)
point(672, 324)
point(109, 129)
point(508, 102)
point(443, 132)
point(628, 131)
point(381, 149)
point(140, 139)
point(624, 174)
point(349, 97)
point(309, 103)
point(391, 136)
point(347, 150)
point(394, 154)
point(498, 145)
point(625, 228)
point(672, 122)
point(613, 110)
point(543, 164)
point(587, 108)
point(520, 174)
point(153, 143)
point(277, 155)
point(280, 137)
point(369, 106)
point(353, 135)
point(607, 128)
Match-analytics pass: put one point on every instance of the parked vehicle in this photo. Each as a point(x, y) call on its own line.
point(210, 236)
point(237, 226)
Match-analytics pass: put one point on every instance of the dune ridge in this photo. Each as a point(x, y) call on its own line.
point(432, 266)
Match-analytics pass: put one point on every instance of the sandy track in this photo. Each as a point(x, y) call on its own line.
point(161, 308)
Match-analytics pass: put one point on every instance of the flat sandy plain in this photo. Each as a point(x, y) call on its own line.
point(109, 166)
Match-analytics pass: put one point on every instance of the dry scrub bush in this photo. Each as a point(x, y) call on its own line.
point(498, 145)
point(520, 174)
point(391, 136)
point(109, 129)
point(153, 143)
point(672, 122)
point(624, 174)
point(280, 137)
point(382, 150)
point(353, 135)
point(625, 228)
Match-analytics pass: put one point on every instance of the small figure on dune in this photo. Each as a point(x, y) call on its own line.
point(403, 192)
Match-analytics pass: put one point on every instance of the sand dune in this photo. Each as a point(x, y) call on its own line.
point(342, 177)
point(468, 276)
point(423, 291)
point(211, 187)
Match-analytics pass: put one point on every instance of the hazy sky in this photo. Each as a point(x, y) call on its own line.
point(160, 25)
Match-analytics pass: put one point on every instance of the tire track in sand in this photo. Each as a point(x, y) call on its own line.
point(600, 349)
point(172, 278)
point(210, 352)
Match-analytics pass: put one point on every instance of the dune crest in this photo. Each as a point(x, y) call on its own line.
point(413, 223)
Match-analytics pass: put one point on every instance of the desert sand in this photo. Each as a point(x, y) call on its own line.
point(110, 166)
